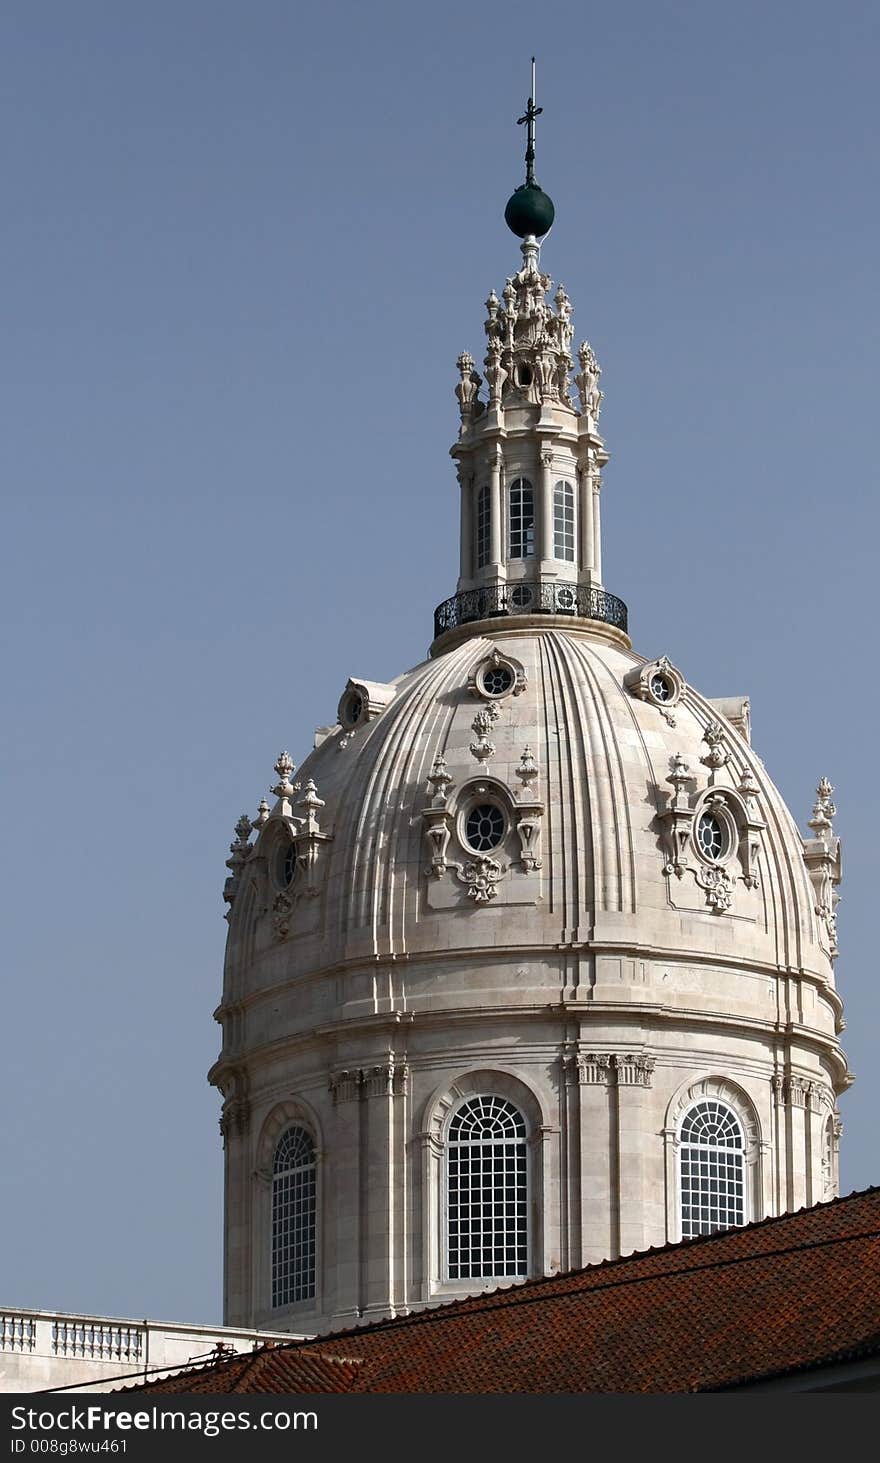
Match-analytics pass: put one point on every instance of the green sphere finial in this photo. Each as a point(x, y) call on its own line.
point(530, 210)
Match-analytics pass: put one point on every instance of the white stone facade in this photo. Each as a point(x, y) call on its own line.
point(599, 968)
point(44, 1350)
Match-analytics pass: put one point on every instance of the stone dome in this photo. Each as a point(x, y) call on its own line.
point(604, 749)
point(528, 965)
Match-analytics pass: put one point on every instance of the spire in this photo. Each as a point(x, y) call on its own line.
point(529, 455)
point(531, 113)
point(530, 212)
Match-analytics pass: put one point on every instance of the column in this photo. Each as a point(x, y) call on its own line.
point(240, 1211)
point(798, 1142)
point(378, 1192)
point(598, 1225)
point(545, 506)
point(466, 553)
point(585, 518)
point(346, 1196)
point(639, 1224)
point(597, 527)
point(495, 552)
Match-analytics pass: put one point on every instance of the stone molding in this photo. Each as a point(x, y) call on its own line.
point(621, 1069)
point(384, 1079)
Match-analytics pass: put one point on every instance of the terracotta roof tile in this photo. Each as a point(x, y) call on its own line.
point(775, 1296)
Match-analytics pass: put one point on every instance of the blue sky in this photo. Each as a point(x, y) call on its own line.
point(243, 245)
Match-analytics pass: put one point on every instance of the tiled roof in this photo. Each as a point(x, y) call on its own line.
point(270, 1369)
point(777, 1296)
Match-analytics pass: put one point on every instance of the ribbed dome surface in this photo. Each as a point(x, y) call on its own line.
point(604, 757)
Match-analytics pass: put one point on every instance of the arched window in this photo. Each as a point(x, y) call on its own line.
point(483, 526)
point(712, 1169)
point(563, 522)
point(522, 519)
point(293, 1218)
point(486, 1199)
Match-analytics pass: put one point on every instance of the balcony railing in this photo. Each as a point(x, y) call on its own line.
point(580, 601)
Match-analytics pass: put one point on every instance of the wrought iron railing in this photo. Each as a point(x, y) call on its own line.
point(579, 600)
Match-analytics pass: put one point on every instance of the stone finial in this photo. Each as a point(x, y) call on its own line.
point(749, 790)
point(262, 815)
point(311, 802)
point(441, 781)
point(717, 754)
point(468, 386)
point(284, 767)
point(496, 376)
point(823, 811)
point(679, 775)
point(482, 748)
point(565, 329)
point(587, 381)
point(238, 852)
point(527, 769)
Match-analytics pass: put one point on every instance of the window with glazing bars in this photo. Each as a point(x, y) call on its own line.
point(563, 522)
point(486, 1191)
point(483, 525)
point(712, 1170)
point(522, 519)
point(293, 1218)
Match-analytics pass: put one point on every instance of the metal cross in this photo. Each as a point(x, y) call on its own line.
point(531, 113)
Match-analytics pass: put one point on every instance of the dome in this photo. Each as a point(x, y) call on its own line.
point(605, 750)
point(528, 965)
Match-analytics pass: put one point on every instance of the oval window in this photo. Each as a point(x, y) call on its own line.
point(285, 864)
point(352, 709)
point(661, 687)
point(484, 827)
point(711, 836)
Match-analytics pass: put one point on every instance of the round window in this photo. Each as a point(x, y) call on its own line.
point(496, 680)
point(285, 864)
point(521, 596)
point(484, 827)
point(352, 709)
point(661, 687)
point(711, 836)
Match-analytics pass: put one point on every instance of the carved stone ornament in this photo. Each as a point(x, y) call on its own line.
point(528, 341)
point(659, 683)
point(239, 851)
point(236, 1115)
point(282, 912)
point(309, 838)
point(822, 856)
point(468, 387)
point(742, 825)
point(678, 816)
point(717, 755)
point(527, 768)
point(587, 381)
point(437, 817)
point(623, 1069)
point(528, 828)
point(718, 885)
point(482, 748)
point(385, 1079)
point(481, 876)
